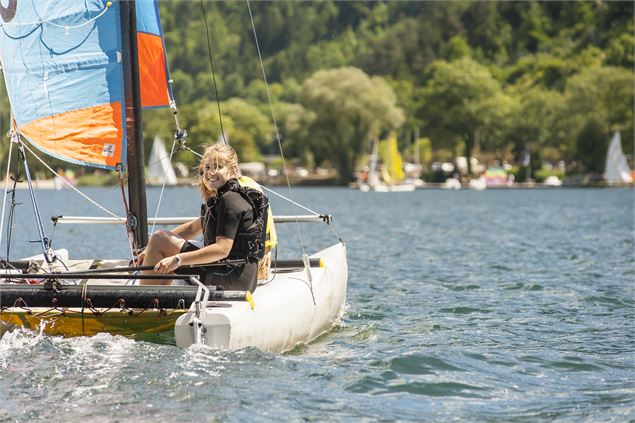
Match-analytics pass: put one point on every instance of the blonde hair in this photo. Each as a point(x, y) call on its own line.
point(225, 156)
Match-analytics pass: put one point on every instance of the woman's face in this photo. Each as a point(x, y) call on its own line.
point(214, 174)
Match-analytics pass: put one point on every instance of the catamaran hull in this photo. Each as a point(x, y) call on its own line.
point(136, 323)
point(287, 311)
point(284, 315)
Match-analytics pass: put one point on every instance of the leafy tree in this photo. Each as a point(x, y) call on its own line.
point(537, 121)
point(347, 109)
point(242, 124)
point(462, 98)
point(605, 94)
point(591, 145)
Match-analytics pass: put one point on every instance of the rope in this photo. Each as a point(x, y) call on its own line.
point(165, 178)
point(211, 62)
point(44, 241)
point(66, 27)
point(129, 233)
point(6, 185)
point(275, 124)
point(331, 225)
point(87, 198)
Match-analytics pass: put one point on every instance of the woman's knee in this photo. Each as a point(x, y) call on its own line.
point(163, 241)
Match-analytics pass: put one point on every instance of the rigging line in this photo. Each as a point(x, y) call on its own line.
point(66, 27)
point(6, 185)
point(129, 232)
point(87, 198)
point(211, 62)
point(273, 117)
point(160, 159)
point(266, 188)
point(290, 200)
point(10, 223)
point(44, 241)
point(165, 178)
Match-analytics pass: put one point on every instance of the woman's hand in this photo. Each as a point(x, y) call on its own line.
point(167, 265)
point(140, 257)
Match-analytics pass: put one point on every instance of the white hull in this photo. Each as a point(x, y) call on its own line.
point(284, 313)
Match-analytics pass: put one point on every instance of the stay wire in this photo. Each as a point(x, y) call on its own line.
point(211, 62)
point(165, 178)
point(44, 240)
point(289, 200)
point(129, 232)
point(87, 198)
point(6, 186)
point(275, 124)
point(11, 222)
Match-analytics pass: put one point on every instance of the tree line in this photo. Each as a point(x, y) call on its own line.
point(554, 79)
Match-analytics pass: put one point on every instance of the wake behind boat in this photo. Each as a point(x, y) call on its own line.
point(92, 79)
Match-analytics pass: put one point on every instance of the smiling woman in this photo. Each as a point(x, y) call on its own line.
point(232, 223)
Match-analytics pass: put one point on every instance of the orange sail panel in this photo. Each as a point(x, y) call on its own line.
point(152, 71)
point(93, 135)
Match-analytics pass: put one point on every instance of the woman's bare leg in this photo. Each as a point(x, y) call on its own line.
point(162, 244)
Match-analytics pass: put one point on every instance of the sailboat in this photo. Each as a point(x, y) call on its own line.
point(392, 179)
point(160, 169)
point(616, 170)
point(77, 75)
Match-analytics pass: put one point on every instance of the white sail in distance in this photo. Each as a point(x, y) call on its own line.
point(159, 166)
point(616, 169)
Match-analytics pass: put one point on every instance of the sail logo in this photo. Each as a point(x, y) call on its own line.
point(108, 150)
point(8, 12)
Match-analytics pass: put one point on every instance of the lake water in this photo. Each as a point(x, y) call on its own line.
point(511, 305)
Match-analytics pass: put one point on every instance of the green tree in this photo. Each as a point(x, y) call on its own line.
point(605, 94)
point(462, 98)
point(242, 125)
point(591, 145)
point(346, 110)
point(537, 122)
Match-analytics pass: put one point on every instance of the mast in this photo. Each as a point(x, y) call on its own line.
point(137, 219)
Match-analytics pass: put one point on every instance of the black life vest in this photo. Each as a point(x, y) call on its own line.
point(249, 243)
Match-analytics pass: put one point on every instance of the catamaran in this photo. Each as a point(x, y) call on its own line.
point(78, 75)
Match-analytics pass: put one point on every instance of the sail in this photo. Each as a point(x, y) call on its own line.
point(616, 169)
point(63, 70)
point(391, 158)
point(153, 68)
point(62, 66)
point(159, 165)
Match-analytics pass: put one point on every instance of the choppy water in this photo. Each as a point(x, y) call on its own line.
point(486, 306)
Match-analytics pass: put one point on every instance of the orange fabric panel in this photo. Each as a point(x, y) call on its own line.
point(152, 76)
point(92, 135)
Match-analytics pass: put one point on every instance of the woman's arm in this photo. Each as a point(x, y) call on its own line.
point(189, 230)
point(208, 254)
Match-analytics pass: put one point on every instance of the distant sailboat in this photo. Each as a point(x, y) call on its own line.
point(616, 170)
point(392, 170)
point(159, 165)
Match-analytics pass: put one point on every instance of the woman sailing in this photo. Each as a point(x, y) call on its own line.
point(233, 224)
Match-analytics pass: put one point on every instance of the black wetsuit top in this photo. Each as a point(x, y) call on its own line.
point(225, 216)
